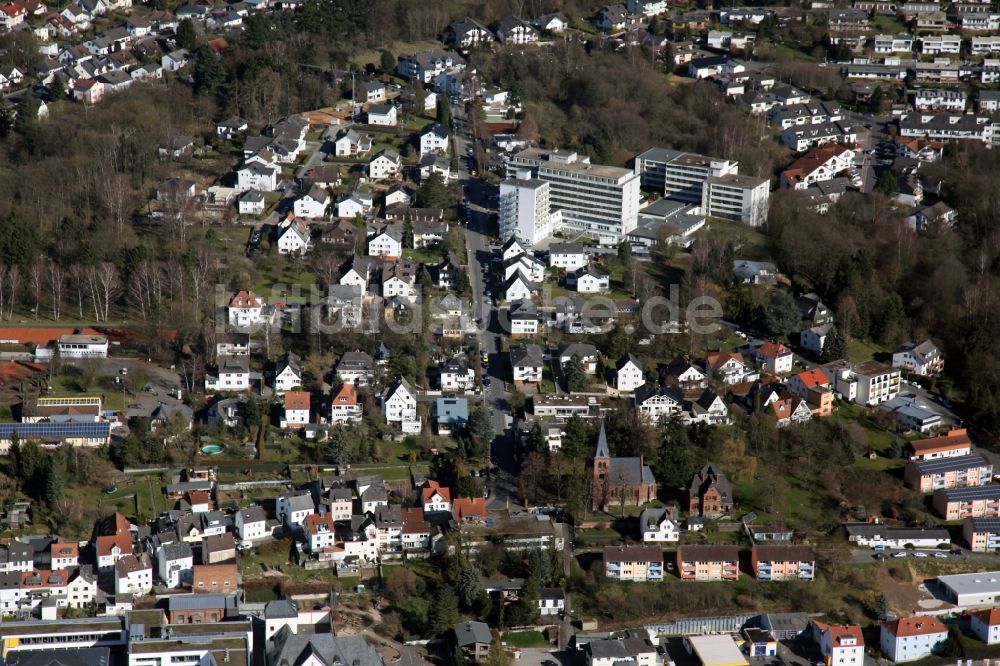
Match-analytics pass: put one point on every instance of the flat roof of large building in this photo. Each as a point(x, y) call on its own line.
point(982, 582)
point(718, 650)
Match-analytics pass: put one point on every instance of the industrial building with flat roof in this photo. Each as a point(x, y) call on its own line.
point(972, 590)
point(719, 650)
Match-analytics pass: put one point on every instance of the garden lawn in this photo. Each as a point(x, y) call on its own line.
point(525, 639)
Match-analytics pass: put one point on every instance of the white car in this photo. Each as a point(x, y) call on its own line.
point(897, 555)
point(919, 554)
point(941, 556)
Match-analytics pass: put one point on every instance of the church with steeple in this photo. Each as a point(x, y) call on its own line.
point(618, 481)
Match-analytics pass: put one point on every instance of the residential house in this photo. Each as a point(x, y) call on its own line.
point(356, 368)
point(710, 494)
point(817, 165)
point(814, 339)
point(589, 280)
point(587, 355)
point(473, 640)
point(435, 497)
point(708, 563)
point(134, 575)
point(387, 242)
point(839, 645)
point(912, 638)
point(287, 372)
point(466, 32)
point(233, 374)
point(782, 562)
point(251, 524)
point(775, 358)
point(639, 564)
point(953, 444)
point(383, 115)
point(456, 375)
point(296, 405)
point(400, 404)
point(729, 368)
point(434, 139)
point(352, 143)
point(450, 415)
point(293, 508)
point(344, 406)
point(217, 548)
point(924, 359)
point(372, 91)
point(659, 525)
point(628, 374)
point(568, 256)
point(387, 164)
point(658, 404)
point(512, 30)
point(174, 563)
point(313, 204)
point(815, 388)
point(552, 23)
point(526, 362)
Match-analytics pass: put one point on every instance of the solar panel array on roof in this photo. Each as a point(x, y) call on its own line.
point(986, 525)
point(971, 494)
point(55, 430)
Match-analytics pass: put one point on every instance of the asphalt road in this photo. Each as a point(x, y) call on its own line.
point(502, 481)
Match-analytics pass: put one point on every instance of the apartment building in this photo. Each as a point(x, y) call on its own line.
point(958, 503)
point(943, 126)
point(867, 383)
point(524, 209)
point(982, 534)
point(985, 625)
point(952, 445)
point(708, 562)
point(937, 99)
point(634, 563)
point(959, 472)
point(875, 535)
point(735, 197)
point(685, 174)
point(602, 201)
point(912, 638)
point(982, 46)
point(783, 562)
point(941, 44)
point(817, 165)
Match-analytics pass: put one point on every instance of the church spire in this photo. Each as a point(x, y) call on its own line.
point(602, 444)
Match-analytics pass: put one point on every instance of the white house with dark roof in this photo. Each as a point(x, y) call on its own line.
point(312, 204)
point(251, 523)
point(434, 139)
point(628, 374)
point(386, 164)
point(293, 508)
point(287, 373)
point(384, 115)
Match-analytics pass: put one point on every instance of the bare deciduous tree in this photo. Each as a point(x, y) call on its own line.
point(56, 278)
point(77, 275)
point(14, 283)
point(37, 281)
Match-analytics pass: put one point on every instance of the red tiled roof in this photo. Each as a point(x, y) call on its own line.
point(413, 521)
point(432, 487)
point(773, 350)
point(810, 162)
point(717, 359)
point(65, 550)
point(199, 497)
point(915, 626)
point(297, 400)
point(245, 299)
point(314, 521)
point(348, 395)
point(839, 633)
point(40, 335)
point(465, 508)
point(990, 617)
point(955, 439)
point(106, 543)
point(813, 378)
